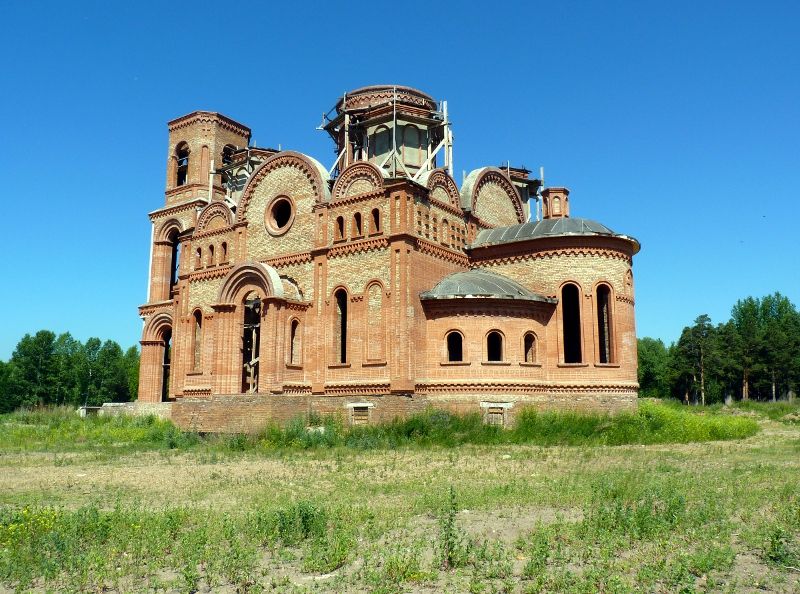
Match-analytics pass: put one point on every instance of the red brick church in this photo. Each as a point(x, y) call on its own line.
point(378, 286)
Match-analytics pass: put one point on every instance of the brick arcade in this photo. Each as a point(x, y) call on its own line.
point(379, 287)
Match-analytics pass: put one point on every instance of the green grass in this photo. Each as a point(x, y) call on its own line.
point(61, 430)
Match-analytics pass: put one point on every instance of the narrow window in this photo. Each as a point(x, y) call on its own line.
point(434, 229)
point(376, 220)
point(166, 337)
point(360, 415)
point(604, 326)
point(294, 343)
point(379, 147)
point(374, 330)
point(529, 347)
point(198, 338)
point(251, 337)
point(455, 350)
point(223, 257)
point(494, 346)
point(357, 224)
point(445, 232)
point(175, 260)
point(571, 314)
point(339, 232)
point(341, 326)
point(211, 261)
point(556, 205)
point(182, 157)
point(198, 258)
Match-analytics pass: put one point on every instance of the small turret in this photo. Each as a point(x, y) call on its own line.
point(555, 203)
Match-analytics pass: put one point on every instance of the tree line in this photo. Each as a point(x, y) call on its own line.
point(753, 355)
point(46, 369)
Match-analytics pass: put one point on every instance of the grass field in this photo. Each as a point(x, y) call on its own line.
point(667, 500)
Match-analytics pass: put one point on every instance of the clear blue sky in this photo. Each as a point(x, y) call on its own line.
point(675, 122)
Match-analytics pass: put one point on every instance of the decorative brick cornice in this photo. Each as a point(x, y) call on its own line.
point(208, 117)
point(196, 392)
point(176, 209)
point(523, 388)
point(213, 233)
point(148, 309)
point(283, 159)
point(347, 389)
point(360, 170)
point(349, 200)
point(364, 245)
point(288, 259)
point(521, 256)
point(204, 275)
point(293, 305)
point(430, 248)
point(530, 310)
point(625, 299)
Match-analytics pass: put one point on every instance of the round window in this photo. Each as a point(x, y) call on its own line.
point(279, 215)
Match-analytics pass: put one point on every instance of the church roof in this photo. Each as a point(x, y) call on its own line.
point(544, 228)
point(480, 283)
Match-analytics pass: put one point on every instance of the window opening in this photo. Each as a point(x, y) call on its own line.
point(455, 351)
point(494, 346)
point(339, 228)
point(341, 325)
point(224, 254)
point(165, 364)
point(604, 323)
point(495, 415)
point(571, 313)
point(175, 260)
point(182, 155)
point(251, 338)
point(357, 224)
point(360, 415)
point(376, 220)
point(529, 346)
point(294, 343)
point(198, 338)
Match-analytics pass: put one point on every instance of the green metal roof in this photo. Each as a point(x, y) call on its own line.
point(545, 228)
point(480, 283)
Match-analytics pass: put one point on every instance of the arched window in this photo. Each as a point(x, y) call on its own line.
point(339, 229)
point(294, 343)
point(412, 151)
point(198, 338)
point(223, 256)
point(182, 158)
point(571, 322)
point(376, 220)
point(604, 324)
point(175, 260)
point(494, 346)
point(455, 346)
point(198, 258)
point(529, 347)
point(166, 337)
point(556, 205)
point(251, 339)
point(211, 260)
point(340, 329)
point(357, 225)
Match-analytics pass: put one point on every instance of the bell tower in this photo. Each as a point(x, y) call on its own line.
point(555, 203)
point(199, 144)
